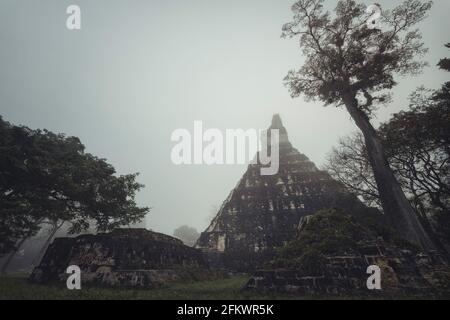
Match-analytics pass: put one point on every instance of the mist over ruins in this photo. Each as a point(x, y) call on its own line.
point(337, 188)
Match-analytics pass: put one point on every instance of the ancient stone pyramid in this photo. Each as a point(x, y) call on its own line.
point(263, 213)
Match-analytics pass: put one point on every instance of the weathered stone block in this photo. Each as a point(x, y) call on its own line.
point(402, 273)
point(124, 257)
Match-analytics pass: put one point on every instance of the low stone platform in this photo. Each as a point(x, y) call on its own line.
point(402, 273)
point(124, 257)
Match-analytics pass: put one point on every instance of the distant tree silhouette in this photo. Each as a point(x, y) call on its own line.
point(348, 163)
point(187, 234)
point(444, 64)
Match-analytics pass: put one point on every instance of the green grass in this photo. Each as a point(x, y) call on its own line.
point(228, 288)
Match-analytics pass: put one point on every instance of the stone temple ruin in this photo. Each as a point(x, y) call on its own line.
point(124, 257)
point(263, 213)
point(403, 273)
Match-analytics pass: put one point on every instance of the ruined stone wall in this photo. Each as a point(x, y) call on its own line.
point(402, 273)
point(127, 257)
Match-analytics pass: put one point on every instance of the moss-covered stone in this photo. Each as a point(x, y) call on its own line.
point(331, 256)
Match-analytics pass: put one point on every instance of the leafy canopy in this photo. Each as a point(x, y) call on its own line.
point(346, 57)
point(47, 177)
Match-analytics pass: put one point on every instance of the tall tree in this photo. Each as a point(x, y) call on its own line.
point(49, 178)
point(417, 144)
point(349, 63)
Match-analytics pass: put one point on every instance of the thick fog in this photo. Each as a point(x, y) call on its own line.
point(138, 70)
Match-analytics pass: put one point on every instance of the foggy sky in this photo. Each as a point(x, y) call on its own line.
point(140, 69)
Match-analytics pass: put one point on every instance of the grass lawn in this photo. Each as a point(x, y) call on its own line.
point(17, 287)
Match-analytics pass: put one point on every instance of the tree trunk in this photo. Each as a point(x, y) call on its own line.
point(426, 223)
point(41, 253)
point(396, 206)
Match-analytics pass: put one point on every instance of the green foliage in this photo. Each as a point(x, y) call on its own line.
point(329, 232)
point(418, 147)
point(332, 232)
point(417, 144)
point(311, 262)
point(222, 288)
point(343, 56)
point(444, 63)
point(47, 178)
point(348, 63)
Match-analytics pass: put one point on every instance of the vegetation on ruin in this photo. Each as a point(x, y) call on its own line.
point(328, 232)
point(331, 232)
